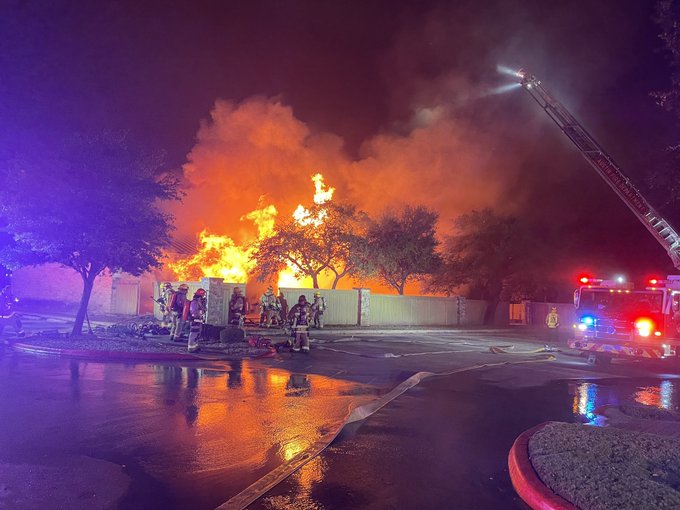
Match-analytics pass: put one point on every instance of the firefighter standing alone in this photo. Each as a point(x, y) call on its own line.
point(300, 314)
point(197, 310)
point(318, 309)
point(552, 320)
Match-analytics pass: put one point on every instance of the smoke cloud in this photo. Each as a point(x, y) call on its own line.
point(258, 153)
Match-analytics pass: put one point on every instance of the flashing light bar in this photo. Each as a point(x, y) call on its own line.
point(588, 280)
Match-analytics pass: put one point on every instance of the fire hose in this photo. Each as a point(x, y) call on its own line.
point(280, 473)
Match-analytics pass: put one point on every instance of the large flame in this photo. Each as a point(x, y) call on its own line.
point(303, 216)
point(220, 257)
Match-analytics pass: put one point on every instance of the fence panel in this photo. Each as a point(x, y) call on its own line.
point(125, 297)
point(387, 310)
point(342, 306)
point(474, 312)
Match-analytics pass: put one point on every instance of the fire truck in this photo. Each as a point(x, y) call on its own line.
point(614, 319)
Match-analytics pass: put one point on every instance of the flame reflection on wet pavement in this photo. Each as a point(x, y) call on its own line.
point(206, 431)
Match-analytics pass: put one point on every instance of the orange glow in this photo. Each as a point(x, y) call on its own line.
point(220, 256)
point(303, 216)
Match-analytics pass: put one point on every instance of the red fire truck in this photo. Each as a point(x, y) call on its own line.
point(613, 318)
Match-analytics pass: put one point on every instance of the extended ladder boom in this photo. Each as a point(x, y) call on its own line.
point(605, 166)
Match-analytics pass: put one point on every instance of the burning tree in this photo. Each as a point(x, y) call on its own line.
point(401, 247)
point(91, 207)
point(322, 239)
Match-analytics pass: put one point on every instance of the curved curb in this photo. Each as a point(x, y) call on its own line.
point(107, 355)
point(525, 480)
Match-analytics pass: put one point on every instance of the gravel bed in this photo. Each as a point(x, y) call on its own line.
point(608, 468)
point(115, 343)
point(649, 413)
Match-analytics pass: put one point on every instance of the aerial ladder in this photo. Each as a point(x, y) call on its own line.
point(605, 166)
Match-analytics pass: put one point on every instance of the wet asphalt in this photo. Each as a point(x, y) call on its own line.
point(193, 436)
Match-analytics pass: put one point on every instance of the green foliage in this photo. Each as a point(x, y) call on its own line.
point(92, 205)
point(401, 247)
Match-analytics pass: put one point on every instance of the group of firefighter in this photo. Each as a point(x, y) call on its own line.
point(178, 310)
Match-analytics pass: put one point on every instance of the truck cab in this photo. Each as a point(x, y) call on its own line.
point(613, 319)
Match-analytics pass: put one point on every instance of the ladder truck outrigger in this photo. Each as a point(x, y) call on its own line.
point(612, 318)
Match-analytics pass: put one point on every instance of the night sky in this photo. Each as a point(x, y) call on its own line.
point(377, 95)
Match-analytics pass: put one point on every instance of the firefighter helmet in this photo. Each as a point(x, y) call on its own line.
point(237, 290)
point(302, 299)
point(183, 287)
point(200, 293)
point(317, 294)
point(167, 285)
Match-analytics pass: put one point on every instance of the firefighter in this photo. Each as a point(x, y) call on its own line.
point(179, 308)
point(301, 314)
point(163, 302)
point(283, 314)
point(552, 320)
point(269, 307)
point(238, 307)
point(197, 310)
point(318, 308)
point(7, 313)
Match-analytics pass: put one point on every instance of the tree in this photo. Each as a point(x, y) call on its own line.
point(489, 253)
point(327, 242)
point(665, 183)
point(401, 247)
point(92, 206)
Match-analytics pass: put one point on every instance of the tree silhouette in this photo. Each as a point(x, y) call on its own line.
point(92, 206)
point(401, 247)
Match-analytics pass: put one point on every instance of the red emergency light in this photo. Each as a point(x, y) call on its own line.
point(657, 282)
point(644, 326)
point(588, 280)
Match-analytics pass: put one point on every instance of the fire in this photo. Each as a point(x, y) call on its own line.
point(304, 218)
point(322, 195)
point(221, 257)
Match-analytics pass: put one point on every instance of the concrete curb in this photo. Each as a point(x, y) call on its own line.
point(108, 355)
point(525, 480)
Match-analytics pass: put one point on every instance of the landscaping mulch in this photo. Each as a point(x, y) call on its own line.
point(607, 468)
point(150, 344)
